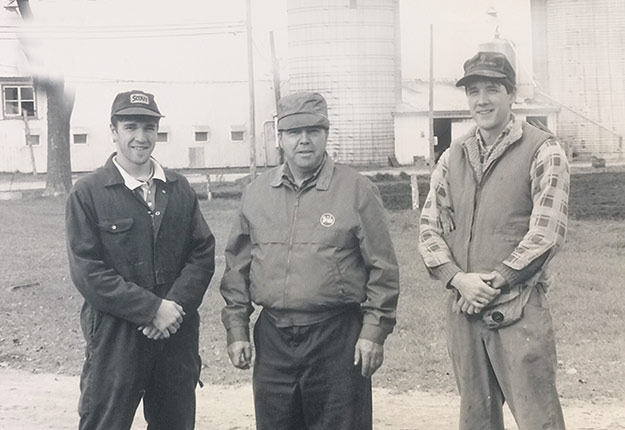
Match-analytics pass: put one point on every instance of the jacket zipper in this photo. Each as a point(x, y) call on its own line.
point(290, 248)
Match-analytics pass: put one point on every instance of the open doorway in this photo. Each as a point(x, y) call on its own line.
point(442, 131)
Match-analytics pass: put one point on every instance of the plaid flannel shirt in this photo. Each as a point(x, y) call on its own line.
point(549, 175)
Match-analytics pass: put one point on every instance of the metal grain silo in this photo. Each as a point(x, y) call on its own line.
point(583, 68)
point(348, 50)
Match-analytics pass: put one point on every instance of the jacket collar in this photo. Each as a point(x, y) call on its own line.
point(511, 134)
point(322, 180)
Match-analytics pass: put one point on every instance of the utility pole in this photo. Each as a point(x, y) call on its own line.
point(250, 77)
point(275, 68)
point(431, 113)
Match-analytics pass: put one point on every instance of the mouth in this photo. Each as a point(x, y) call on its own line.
point(485, 111)
point(140, 148)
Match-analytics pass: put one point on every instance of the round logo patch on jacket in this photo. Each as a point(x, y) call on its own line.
point(327, 220)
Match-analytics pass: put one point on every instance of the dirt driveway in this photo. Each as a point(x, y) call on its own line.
point(47, 401)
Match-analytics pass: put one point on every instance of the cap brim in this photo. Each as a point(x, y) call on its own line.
point(138, 111)
point(479, 73)
point(300, 120)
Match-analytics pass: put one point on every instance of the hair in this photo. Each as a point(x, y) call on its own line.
point(115, 119)
point(507, 83)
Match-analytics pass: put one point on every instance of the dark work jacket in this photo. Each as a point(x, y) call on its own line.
point(124, 257)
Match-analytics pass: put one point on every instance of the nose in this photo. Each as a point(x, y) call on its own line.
point(482, 97)
point(140, 135)
point(304, 136)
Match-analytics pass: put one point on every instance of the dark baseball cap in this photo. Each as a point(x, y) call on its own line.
point(488, 65)
point(304, 109)
point(135, 102)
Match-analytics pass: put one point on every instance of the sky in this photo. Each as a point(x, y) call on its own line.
point(204, 40)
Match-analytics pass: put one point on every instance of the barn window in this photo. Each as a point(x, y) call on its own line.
point(18, 100)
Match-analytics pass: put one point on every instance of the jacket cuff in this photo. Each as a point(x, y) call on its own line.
point(236, 334)
point(511, 276)
point(373, 333)
point(445, 272)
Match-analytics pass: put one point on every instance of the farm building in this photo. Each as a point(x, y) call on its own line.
point(451, 118)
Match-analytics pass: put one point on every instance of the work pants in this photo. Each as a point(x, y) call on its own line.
point(305, 378)
point(123, 366)
point(516, 364)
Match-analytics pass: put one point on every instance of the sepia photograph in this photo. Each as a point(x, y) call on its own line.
point(312, 214)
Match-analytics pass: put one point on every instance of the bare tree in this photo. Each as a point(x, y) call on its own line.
point(59, 112)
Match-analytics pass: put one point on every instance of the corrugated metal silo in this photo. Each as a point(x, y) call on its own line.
point(348, 50)
point(586, 71)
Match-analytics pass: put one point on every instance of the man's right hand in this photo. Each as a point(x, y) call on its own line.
point(474, 290)
point(240, 353)
point(168, 317)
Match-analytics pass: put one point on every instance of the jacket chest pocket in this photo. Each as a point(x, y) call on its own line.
point(118, 239)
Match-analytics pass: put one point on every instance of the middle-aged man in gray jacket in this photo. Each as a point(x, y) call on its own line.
point(311, 246)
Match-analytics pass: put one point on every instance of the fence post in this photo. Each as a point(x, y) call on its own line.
point(415, 191)
point(209, 196)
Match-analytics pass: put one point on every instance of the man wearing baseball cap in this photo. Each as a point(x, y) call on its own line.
point(495, 216)
point(311, 246)
point(141, 255)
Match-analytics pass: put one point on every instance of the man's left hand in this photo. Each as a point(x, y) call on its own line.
point(496, 280)
point(370, 355)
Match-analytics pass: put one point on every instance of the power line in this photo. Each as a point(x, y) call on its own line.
point(125, 27)
point(121, 32)
point(233, 32)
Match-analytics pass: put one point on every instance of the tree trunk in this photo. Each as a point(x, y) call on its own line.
point(59, 113)
point(60, 106)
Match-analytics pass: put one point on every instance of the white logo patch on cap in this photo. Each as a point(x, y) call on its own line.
point(327, 220)
point(139, 98)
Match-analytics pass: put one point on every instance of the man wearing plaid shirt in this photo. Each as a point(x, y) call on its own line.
point(495, 215)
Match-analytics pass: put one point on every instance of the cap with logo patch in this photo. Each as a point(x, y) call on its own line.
point(135, 102)
point(488, 65)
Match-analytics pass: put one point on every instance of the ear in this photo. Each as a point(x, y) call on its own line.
point(280, 140)
point(113, 132)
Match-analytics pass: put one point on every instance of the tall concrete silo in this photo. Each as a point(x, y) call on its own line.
point(581, 62)
point(349, 51)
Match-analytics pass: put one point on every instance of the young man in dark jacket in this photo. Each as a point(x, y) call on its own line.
point(142, 256)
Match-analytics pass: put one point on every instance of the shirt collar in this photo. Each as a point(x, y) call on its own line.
point(133, 183)
point(512, 124)
point(321, 177)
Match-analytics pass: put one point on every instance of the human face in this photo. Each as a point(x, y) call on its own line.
point(304, 148)
point(135, 139)
point(490, 105)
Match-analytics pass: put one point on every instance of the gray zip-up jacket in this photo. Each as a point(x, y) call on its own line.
point(303, 253)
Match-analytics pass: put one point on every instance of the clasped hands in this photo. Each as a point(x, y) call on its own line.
point(476, 290)
point(166, 322)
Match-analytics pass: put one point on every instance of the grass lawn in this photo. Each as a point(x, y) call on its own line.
point(39, 307)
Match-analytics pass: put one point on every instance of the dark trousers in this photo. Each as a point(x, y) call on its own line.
point(305, 378)
point(516, 364)
point(122, 366)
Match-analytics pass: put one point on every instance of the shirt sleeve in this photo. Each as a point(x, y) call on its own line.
point(437, 218)
point(189, 287)
point(376, 247)
point(549, 175)
point(235, 284)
